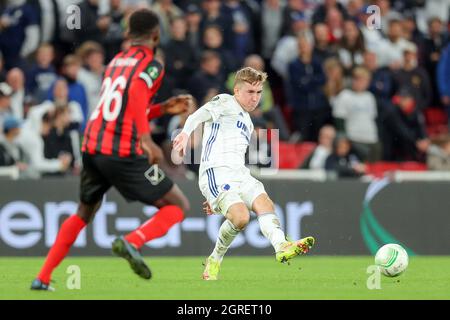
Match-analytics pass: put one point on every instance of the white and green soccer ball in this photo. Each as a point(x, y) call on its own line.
point(392, 259)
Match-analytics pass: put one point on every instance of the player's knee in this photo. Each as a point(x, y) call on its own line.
point(241, 221)
point(263, 204)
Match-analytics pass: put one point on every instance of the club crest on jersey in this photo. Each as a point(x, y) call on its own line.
point(225, 187)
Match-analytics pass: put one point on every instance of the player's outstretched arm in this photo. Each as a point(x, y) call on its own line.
point(181, 140)
point(174, 105)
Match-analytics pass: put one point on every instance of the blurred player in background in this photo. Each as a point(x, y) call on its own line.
point(224, 179)
point(117, 149)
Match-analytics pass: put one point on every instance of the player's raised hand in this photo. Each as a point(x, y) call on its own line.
point(207, 208)
point(178, 104)
point(180, 143)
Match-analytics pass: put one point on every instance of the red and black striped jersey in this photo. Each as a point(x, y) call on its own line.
point(131, 80)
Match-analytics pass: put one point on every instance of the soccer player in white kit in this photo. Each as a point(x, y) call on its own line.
point(224, 179)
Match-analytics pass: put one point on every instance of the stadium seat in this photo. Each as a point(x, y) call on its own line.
point(436, 121)
point(293, 155)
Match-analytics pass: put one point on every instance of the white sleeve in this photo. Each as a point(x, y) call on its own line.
point(340, 105)
point(201, 115)
point(34, 147)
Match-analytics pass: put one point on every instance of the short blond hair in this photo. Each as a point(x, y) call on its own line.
point(250, 76)
point(361, 71)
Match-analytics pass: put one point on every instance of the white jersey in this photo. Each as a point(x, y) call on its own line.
point(223, 178)
point(227, 135)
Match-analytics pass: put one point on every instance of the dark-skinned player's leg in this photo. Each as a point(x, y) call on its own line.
point(67, 235)
point(93, 185)
point(171, 207)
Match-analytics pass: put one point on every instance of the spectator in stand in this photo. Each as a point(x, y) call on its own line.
point(61, 98)
point(286, 49)
point(435, 42)
point(319, 156)
point(335, 81)
point(213, 41)
point(166, 11)
point(16, 80)
point(443, 80)
point(387, 14)
point(344, 161)
point(351, 46)
point(213, 15)
point(94, 24)
point(19, 32)
point(42, 74)
point(58, 141)
point(5, 102)
point(414, 78)
point(322, 46)
point(412, 33)
point(438, 155)
point(354, 9)
point(272, 13)
point(193, 20)
point(180, 57)
point(37, 126)
point(355, 113)
point(11, 153)
point(115, 32)
point(90, 75)
point(243, 26)
point(290, 13)
point(306, 79)
point(406, 138)
point(70, 69)
point(321, 11)
point(382, 84)
point(390, 50)
point(335, 23)
point(207, 78)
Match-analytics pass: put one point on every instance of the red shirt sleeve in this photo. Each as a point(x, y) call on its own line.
point(139, 95)
point(154, 111)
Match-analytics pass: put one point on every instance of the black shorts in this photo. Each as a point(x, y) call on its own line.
point(130, 176)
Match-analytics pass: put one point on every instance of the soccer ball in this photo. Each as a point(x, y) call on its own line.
point(392, 259)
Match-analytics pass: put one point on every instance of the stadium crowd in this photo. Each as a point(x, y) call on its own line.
point(359, 87)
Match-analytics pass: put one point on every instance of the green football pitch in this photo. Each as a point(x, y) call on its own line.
point(308, 277)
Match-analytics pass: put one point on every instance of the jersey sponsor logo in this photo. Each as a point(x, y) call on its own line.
point(225, 187)
point(244, 130)
point(124, 62)
point(153, 72)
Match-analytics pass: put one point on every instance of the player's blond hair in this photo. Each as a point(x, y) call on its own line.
point(249, 75)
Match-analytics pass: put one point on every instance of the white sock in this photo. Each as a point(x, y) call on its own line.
point(271, 229)
point(227, 233)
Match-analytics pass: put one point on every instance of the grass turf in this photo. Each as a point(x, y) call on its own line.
point(306, 277)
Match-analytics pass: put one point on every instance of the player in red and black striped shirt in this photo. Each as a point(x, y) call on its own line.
point(117, 149)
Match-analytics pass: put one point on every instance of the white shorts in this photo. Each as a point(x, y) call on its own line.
point(223, 187)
